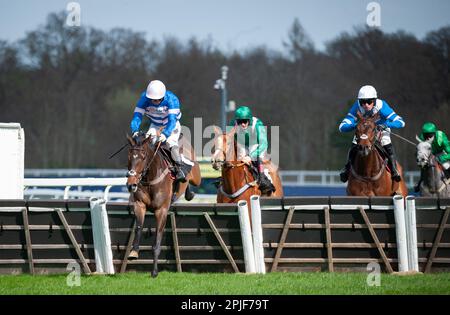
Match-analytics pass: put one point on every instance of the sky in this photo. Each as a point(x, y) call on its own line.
point(230, 24)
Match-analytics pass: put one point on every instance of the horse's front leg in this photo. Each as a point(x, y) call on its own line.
point(139, 213)
point(161, 217)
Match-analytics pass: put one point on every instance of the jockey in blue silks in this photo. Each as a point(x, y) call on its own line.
point(162, 107)
point(368, 105)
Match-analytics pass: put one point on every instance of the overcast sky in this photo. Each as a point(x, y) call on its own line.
point(231, 24)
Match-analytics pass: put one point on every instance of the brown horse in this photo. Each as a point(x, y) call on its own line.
point(369, 175)
point(152, 187)
point(238, 182)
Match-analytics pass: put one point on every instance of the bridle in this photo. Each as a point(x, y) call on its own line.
point(431, 162)
point(133, 173)
point(224, 164)
point(381, 163)
point(364, 136)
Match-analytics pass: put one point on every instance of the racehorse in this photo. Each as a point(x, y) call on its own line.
point(238, 181)
point(369, 175)
point(432, 179)
point(152, 187)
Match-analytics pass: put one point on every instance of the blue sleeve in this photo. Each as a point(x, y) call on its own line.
point(174, 114)
point(390, 118)
point(138, 112)
point(349, 122)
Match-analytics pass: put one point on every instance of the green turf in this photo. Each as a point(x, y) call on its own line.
point(228, 284)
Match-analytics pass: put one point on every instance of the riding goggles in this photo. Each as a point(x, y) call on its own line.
point(366, 101)
point(242, 121)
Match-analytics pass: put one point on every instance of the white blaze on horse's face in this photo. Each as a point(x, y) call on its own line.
point(423, 153)
point(218, 156)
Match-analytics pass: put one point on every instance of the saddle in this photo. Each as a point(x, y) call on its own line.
point(186, 164)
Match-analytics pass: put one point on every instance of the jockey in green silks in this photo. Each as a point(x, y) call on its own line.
point(252, 144)
point(440, 146)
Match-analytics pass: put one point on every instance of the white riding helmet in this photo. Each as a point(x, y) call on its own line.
point(155, 90)
point(367, 92)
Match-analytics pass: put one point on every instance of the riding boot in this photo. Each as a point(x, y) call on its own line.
point(179, 176)
point(265, 185)
point(392, 162)
point(344, 172)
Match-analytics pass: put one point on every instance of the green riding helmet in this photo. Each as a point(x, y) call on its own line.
point(429, 127)
point(243, 112)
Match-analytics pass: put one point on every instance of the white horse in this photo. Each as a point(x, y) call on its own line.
point(432, 181)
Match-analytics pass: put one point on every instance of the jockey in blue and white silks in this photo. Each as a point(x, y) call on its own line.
point(369, 105)
point(162, 107)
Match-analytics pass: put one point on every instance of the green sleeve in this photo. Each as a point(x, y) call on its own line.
point(261, 138)
point(444, 145)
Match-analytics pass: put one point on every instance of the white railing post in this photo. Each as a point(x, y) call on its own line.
point(411, 234)
point(66, 192)
point(257, 235)
point(246, 235)
point(101, 236)
point(400, 231)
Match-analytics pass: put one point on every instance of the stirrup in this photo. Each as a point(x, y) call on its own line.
point(180, 176)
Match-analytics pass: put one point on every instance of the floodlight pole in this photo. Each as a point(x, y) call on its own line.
point(221, 85)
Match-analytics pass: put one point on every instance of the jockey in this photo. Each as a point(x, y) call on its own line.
point(163, 109)
point(440, 145)
point(252, 144)
point(368, 105)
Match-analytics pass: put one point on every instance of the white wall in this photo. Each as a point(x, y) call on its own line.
point(12, 155)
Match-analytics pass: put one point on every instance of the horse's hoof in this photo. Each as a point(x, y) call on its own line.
point(134, 254)
point(154, 274)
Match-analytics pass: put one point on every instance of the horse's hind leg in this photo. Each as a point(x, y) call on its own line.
point(139, 213)
point(161, 217)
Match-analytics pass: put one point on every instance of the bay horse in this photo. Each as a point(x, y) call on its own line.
point(432, 181)
point(238, 181)
point(152, 187)
point(369, 175)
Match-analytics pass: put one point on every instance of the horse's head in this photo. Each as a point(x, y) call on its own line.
point(139, 155)
point(423, 152)
point(366, 132)
point(224, 149)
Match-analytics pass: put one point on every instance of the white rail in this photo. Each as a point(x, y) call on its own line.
point(68, 183)
point(288, 177)
point(329, 178)
point(60, 188)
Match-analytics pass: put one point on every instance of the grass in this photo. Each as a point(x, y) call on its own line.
point(227, 284)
